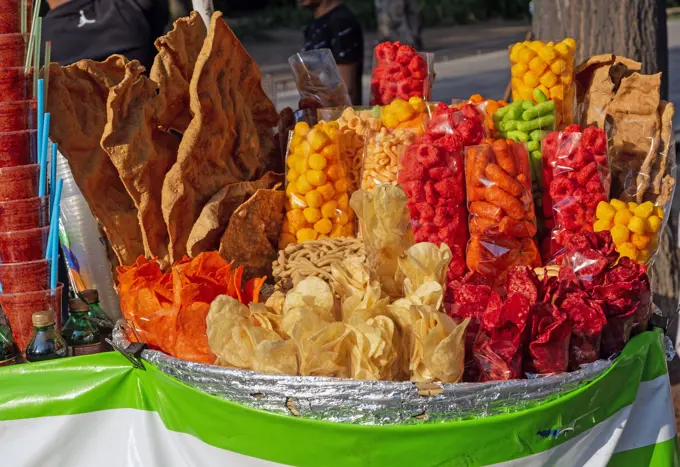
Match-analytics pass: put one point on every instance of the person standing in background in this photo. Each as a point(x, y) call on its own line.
point(399, 20)
point(97, 29)
point(335, 27)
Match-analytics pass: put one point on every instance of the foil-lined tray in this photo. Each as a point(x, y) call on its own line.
point(367, 402)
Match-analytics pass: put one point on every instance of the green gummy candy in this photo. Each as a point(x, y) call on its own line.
point(533, 145)
point(538, 135)
point(527, 105)
point(537, 155)
point(539, 110)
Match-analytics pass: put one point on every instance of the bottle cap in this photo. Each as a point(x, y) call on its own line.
point(43, 318)
point(76, 305)
point(90, 296)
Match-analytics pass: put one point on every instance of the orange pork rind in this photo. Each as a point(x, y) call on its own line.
point(173, 68)
point(78, 95)
point(232, 117)
point(140, 152)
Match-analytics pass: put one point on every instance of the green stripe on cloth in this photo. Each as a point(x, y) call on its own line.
point(107, 381)
point(666, 454)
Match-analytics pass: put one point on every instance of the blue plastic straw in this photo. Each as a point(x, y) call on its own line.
point(52, 239)
point(53, 172)
point(41, 108)
point(42, 159)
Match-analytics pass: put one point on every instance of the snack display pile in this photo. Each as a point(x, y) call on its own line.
point(421, 241)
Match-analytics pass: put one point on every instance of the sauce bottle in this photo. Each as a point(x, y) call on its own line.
point(46, 343)
point(80, 332)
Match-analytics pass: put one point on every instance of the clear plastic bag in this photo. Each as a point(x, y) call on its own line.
point(576, 179)
point(548, 67)
point(549, 336)
point(433, 178)
point(502, 221)
point(411, 115)
point(318, 79)
point(384, 150)
point(317, 186)
point(400, 72)
point(643, 165)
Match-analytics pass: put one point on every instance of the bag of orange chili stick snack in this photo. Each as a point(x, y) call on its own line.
point(502, 221)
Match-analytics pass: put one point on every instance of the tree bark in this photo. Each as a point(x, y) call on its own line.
point(631, 28)
point(635, 29)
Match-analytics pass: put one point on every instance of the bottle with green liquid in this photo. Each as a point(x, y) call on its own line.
point(46, 343)
point(7, 354)
point(80, 332)
point(97, 314)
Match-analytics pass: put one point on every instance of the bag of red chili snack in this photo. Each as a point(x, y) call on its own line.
point(498, 348)
point(433, 179)
point(587, 320)
point(626, 299)
point(576, 174)
point(549, 333)
point(502, 221)
point(400, 72)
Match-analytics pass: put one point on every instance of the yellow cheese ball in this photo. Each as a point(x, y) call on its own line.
point(644, 210)
point(327, 191)
point(618, 204)
point(336, 231)
point(631, 206)
point(623, 217)
point(312, 215)
point(628, 250)
point(654, 224)
point(637, 225)
point(602, 225)
point(640, 241)
point(317, 161)
point(301, 129)
point(306, 235)
point(605, 211)
point(620, 234)
point(315, 177)
point(317, 139)
point(348, 230)
point(329, 209)
point(323, 226)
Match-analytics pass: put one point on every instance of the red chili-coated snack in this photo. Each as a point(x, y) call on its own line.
point(433, 177)
point(399, 72)
point(576, 174)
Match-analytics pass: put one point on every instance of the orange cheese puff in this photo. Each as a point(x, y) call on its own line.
point(475, 193)
point(486, 210)
point(530, 255)
point(498, 176)
point(482, 158)
point(521, 157)
point(470, 155)
point(512, 206)
point(515, 228)
point(483, 226)
point(503, 157)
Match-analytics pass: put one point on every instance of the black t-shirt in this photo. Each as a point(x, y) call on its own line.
point(340, 31)
point(97, 29)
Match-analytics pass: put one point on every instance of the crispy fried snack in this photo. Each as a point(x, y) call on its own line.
point(222, 144)
point(214, 218)
point(78, 95)
point(173, 68)
point(251, 238)
point(141, 152)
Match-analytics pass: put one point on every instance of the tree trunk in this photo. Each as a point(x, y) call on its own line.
point(635, 29)
point(631, 28)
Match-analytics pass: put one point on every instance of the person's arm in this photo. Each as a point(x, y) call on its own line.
point(348, 72)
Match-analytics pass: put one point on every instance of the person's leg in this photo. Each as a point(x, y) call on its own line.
point(414, 23)
point(382, 10)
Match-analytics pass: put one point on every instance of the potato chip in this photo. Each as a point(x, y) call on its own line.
point(78, 95)
point(384, 224)
point(214, 218)
point(424, 262)
point(173, 68)
point(251, 238)
point(313, 294)
point(327, 352)
point(141, 153)
point(222, 143)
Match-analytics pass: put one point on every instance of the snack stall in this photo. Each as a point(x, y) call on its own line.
point(415, 282)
